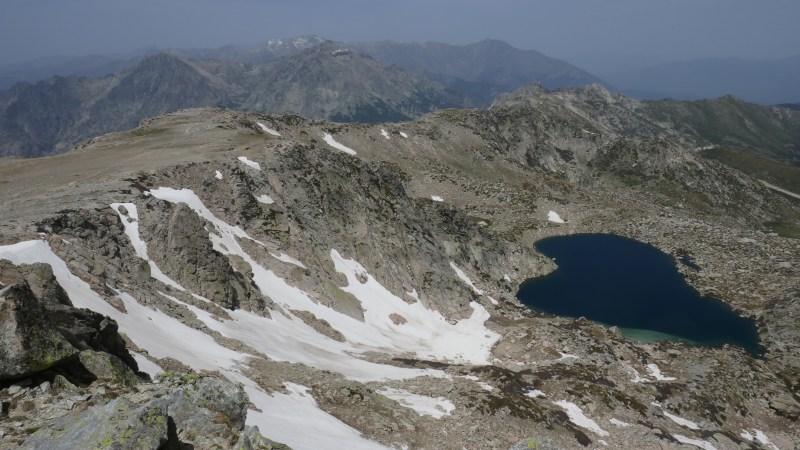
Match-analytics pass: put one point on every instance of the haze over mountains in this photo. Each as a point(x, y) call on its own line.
point(767, 81)
point(367, 82)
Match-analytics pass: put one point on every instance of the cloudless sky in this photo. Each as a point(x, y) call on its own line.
point(577, 30)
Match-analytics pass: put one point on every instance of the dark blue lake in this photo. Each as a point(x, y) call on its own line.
point(619, 281)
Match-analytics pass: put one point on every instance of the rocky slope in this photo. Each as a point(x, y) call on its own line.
point(363, 277)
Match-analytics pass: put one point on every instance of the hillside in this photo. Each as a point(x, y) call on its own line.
point(364, 278)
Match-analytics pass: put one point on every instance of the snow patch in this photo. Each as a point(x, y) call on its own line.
point(288, 259)
point(289, 417)
point(332, 142)
point(696, 442)
point(553, 216)
point(577, 417)
point(460, 273)
point(385, 134)
point(436, 407)
point(405, 136)
point(147, 366)
point(427, 333)
point(760, 437)
point(619, 423)
point(130, 223)
point(535, 393)
point(267, 129)
point(507, 278)
point(265, 199)
point(218, 174)
point(252, 164)
point(436, 198)
point(567, 356)
point(636, 377)
point(493, 301)
point(655, 372)
point(677, 419)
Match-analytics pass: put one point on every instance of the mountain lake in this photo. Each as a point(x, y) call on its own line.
point(616, 281)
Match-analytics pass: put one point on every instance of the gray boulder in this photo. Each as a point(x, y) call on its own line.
point(116, 425)
point(252, 439)
point(29, 342)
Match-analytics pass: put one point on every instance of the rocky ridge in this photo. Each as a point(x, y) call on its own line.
point(458, 189)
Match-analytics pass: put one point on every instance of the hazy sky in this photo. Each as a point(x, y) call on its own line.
point(578, 30)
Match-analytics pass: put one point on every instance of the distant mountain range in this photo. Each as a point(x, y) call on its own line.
point(481, 70)
point(307, 76)
point(765, 81)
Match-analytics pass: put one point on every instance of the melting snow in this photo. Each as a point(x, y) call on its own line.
point(130, 222)
point(535, 393)
point(655, 372)
point(405, 136)
point(218, 175)
point(436, 198)
point(162, 336)
point(436, 407)
point(265, 199)
point(577, 417)
point(267, 129)
point(460, 273)
point(677, 419)
point(287, 338)
point(619, 423)
point(252, 164)
point(288, 259)
point(760, 437)
point(290, 417)
point(385, 134)
point(147, 366)
point(636, 377)
point(696, 442)
point(332, 142)
point(427, 333)
point(553, 216)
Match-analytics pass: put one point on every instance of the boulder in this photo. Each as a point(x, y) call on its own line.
point(107, 367)
point(119, 424)
point(29, 342)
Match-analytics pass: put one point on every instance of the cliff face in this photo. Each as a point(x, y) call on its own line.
point(364, 276)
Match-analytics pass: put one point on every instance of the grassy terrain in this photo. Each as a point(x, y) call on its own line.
point(780, 174)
